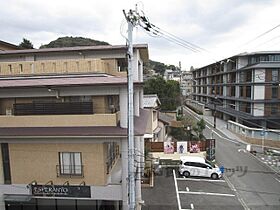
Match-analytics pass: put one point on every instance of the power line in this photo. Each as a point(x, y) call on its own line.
point(155, 30)
point(262, 34)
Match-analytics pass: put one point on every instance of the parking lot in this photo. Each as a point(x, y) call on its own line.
point(173, 192)
point(204, 193)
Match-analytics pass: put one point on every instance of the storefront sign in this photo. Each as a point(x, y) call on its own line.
point(61, 191)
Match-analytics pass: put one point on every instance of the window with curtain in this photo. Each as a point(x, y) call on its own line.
point(70, 163)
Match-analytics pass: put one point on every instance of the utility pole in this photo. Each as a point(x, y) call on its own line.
point(181, 94)
point(131, 21)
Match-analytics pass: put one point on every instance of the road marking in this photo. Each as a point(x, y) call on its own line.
point(240, 199)
point(242, 150)
point(187, 189)
point(176, 188)
point(207, 193)
point(277, 180)
point(192, 206)
point(198, 180)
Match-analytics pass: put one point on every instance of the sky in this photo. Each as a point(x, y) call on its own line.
point(221, 28)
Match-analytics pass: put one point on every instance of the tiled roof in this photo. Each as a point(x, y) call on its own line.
point(63, 80)
point(150, 101)
point(165, 118)
point(69, 49)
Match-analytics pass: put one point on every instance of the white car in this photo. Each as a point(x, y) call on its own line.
point(198, 166)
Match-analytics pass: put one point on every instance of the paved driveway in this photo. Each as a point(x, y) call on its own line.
point(171, 192)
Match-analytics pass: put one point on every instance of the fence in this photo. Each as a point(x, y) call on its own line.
point(254, 133)
point(159, 146)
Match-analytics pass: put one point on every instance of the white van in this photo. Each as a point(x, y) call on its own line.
point(198, 166)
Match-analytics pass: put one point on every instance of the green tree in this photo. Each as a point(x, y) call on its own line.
point(69, 41)
point(167, 91)
point(182, 134)
point(198, 129)
point(26, 44)
point(158, 66)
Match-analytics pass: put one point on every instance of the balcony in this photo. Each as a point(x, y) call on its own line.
point(47, 108)
point(60, 120)
point(109, 66)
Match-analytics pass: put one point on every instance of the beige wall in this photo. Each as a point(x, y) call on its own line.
point(58, 66)
point(59, 120)
point(162, 132)
point(6, 47)
point(154, 119)
point(150, 122)
point(38, 162)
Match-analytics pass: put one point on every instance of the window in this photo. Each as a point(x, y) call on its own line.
point(20, 68)
point(232, 91)
point(274, 110)
point(241, 89)
point(274, 92)
point(248, 91)
point(249, 76)
point(70, 163)
point(275, 75)
point(6, 163)
point(242, 76)
point(10, 68)
point(112, 154)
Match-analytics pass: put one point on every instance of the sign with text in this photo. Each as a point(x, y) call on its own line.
point(61, 191)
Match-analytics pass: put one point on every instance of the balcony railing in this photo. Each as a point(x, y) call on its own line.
point(70, 170)
point(49, 108)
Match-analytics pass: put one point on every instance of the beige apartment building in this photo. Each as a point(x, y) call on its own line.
point(63, 127)
point(7, 46)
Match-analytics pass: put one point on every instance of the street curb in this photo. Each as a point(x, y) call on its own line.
point(238, 140)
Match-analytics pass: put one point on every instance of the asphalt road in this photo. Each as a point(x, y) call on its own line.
point(256, 184)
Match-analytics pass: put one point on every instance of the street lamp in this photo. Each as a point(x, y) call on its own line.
point(188, 128)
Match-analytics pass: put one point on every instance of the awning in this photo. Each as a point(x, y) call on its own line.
point(17, 197)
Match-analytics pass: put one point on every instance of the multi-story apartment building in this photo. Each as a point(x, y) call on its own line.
point(186, 83)
point(63, 127)
point(243, 88)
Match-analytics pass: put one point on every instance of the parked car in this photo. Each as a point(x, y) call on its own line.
point(198, 166)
